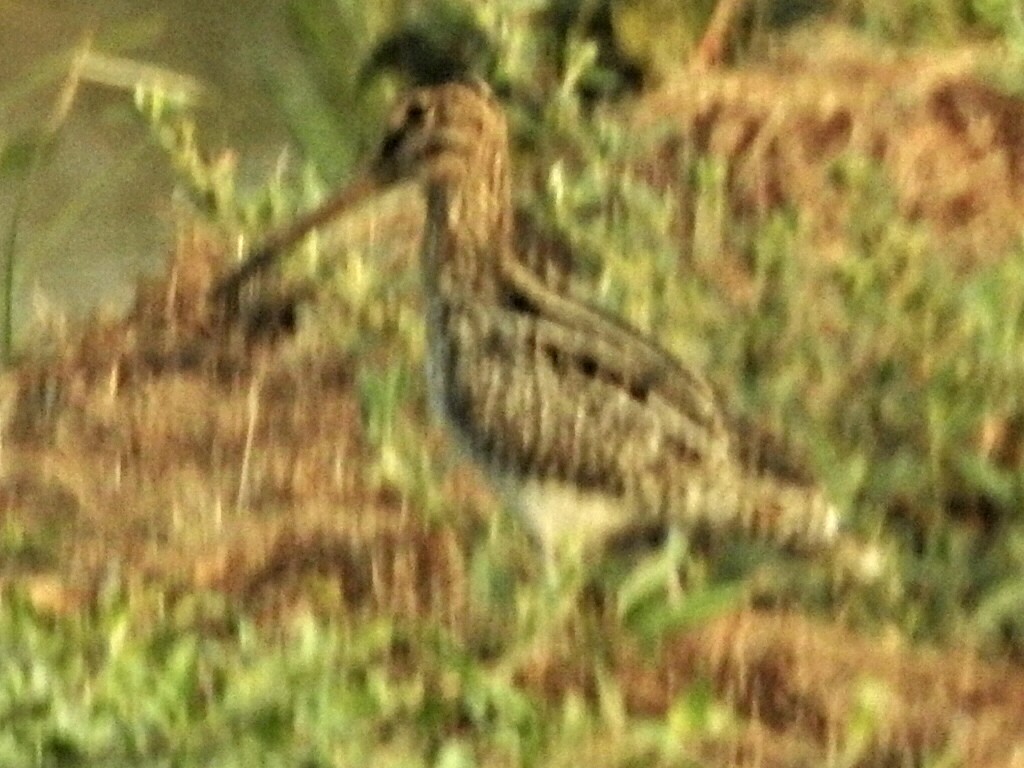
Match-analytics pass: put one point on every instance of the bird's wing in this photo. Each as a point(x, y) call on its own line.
point(599, 341)
point(540, 396)
point(534, 397)
point(637, 363)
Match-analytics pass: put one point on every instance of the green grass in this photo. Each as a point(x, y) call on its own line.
point(202, 686)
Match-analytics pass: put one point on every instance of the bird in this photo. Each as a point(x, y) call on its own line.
point(587, 427)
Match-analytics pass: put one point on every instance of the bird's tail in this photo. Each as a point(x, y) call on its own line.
point(726, 502)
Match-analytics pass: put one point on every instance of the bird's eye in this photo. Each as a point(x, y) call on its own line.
point(415, 113)
point(389, 147)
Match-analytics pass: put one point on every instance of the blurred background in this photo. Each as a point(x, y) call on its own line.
point(99, 211)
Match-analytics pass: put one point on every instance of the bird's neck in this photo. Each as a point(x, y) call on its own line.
point(468, 230)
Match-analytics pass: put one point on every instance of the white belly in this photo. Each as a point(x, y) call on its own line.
point(567, 519)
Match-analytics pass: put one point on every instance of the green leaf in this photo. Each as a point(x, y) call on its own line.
point(652, 578)
point(1001, 605)
point(980, 474)
point(455, 754)
point(655, 617)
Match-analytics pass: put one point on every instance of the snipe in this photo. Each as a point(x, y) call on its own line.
point(592, 429)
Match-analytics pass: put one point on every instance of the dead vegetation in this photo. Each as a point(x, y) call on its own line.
point(951, 144)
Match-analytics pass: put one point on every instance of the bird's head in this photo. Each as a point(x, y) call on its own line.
point(450, 138)
point(442, 135)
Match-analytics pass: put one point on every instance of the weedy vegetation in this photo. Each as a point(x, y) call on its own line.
point(231, 543)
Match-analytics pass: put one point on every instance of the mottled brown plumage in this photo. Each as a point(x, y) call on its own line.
point(591, 428)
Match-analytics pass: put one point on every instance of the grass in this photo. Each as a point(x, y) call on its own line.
point(218, 691)
point(227, 546)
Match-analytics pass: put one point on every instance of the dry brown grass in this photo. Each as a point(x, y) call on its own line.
point(951, 145)
point(798, 681)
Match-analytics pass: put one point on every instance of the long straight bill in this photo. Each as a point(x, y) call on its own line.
point(283, 239)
